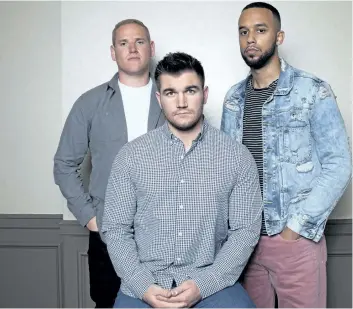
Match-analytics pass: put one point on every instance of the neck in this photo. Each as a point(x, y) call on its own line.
point(134, 80)
point(187, 137)
point(263, 77)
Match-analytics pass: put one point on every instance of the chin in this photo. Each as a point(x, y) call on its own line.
point(133, 67)
point(185, 126)
point(252, 59)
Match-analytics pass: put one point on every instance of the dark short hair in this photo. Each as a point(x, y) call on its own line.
point(129, 22)
point(264, 5)
point(177, 63)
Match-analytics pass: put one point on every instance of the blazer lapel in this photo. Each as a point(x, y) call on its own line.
point(156, 116)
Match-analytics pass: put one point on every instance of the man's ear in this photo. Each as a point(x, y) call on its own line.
point(280, 37)
point(205, 94)
point(112, 52)
point(158, 96)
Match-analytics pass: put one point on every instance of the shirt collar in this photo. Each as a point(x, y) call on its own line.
point(200, 136)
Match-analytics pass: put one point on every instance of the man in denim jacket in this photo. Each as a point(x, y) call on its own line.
point(290, 122)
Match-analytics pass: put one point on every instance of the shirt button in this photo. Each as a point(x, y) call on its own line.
point(178, 259)
point(181, 207)
point(180, 234)
point(182, 157)
point(182, 181)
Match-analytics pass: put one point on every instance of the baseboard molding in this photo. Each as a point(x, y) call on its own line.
point(49, 256)
point(30, 221)
point(338, 227)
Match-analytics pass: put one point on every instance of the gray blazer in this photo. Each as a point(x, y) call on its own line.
point(95, 124)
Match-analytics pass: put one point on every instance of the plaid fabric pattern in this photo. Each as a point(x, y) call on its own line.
point(176, 215)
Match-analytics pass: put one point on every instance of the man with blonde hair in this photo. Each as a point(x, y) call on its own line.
point(101, 121)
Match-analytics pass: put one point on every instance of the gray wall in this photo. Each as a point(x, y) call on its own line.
point(43, 262)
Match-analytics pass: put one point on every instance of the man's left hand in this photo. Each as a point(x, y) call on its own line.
point(288, 234)
point(187, 292)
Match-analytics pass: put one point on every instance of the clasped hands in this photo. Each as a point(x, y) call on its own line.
point(185, 295)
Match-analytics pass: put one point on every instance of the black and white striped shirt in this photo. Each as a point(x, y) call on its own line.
point(176, 215)
point(252, 126)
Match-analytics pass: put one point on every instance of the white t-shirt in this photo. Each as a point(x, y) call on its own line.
point(136, 102)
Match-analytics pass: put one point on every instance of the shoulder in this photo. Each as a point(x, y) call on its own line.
point(227, 146)
point(236, 89)
point(91, 97)
point(307, 77)
point(314, 84)
point(146, 141)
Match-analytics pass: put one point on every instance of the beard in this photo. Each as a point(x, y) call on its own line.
point(262, 60)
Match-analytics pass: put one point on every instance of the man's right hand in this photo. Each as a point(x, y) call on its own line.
point(150, 297)
point(92, 225)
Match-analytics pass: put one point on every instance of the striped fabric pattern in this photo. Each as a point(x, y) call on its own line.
point(252, 127)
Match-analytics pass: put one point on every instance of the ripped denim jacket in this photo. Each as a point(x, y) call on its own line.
point(306, 154)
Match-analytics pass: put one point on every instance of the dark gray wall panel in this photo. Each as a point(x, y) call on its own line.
point(30, 261)
point(44, 264)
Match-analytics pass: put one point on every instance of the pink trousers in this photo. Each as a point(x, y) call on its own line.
point(294, 270)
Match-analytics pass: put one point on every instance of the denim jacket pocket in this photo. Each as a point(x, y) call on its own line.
point(297, 139)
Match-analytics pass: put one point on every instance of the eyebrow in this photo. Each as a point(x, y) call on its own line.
point(256, 25)
point(168, 89)
point(137, 39)
point(192, 87)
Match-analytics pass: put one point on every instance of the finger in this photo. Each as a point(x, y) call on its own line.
point(162, 298)
point(163, 292)
point(178, 290)
point(162, 304)
point(182, 297)
point(177, 299)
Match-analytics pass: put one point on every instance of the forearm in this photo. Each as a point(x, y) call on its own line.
point(306, 216)
point(118, 226)
point(72, 149)
point(68, 179)
point(331, 145)
point(245, 214)
point(124, 256)
point(230, 261)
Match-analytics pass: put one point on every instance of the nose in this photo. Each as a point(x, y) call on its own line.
point(251, 37)
point(182, 103)
point(132, 47)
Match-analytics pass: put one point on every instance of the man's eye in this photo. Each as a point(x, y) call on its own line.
point(140, 42)
point(243, 32)
point(191, 91)
point(261, 30)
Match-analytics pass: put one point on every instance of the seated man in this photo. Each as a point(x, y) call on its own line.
point(183, 205)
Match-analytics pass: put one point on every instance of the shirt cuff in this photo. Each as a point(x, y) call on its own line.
point(140, 283)
point(299, 224)
point(87, 213)
point(208, 283)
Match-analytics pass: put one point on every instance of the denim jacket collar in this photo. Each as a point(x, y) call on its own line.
point(284, 85)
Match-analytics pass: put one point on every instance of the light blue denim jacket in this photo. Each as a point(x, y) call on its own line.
point(306, 154)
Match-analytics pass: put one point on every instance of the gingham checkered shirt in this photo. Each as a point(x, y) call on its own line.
point(176, 215)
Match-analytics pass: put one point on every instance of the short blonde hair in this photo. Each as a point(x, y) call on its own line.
point(127, 22)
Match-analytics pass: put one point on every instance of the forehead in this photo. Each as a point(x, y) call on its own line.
point(130, 30)
point(255, 16)
point(182, 80)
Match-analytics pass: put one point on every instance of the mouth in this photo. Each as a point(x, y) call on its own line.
point(183, 114)
point(134, 58)
point(251, 50)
